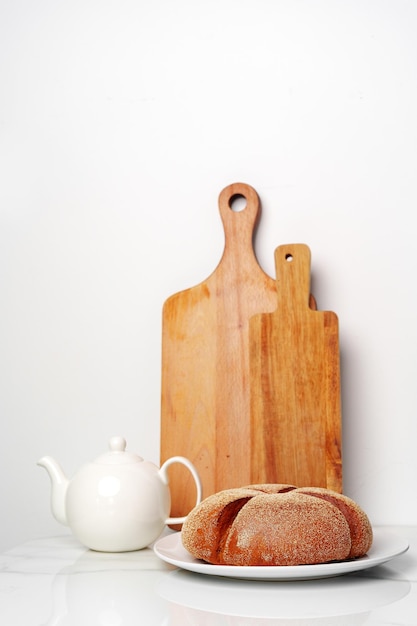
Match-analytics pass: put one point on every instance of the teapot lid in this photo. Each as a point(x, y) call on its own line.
point(117, 453)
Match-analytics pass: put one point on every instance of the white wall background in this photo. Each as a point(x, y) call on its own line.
point(120, 123)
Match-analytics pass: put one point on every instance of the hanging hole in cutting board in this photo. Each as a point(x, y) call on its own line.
point(289, 258)
point(237, 202)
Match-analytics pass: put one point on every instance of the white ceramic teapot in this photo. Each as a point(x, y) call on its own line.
point(117, 503)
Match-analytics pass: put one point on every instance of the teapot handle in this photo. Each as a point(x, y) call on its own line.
point(164, 476)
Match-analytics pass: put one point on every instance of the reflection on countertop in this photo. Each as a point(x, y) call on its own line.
point(57, 582)
point(346, 600)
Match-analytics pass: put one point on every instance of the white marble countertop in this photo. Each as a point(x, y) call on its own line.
point(58, 582)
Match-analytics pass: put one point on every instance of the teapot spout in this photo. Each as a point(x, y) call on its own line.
point(59, 484)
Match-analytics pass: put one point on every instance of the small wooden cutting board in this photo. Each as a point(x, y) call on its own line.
point(205, 403)
point(295, 383)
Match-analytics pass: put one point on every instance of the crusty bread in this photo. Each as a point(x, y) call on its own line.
point(276, 525)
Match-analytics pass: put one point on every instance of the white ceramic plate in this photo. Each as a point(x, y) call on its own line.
point(385, 547)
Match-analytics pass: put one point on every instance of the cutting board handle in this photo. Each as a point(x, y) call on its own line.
point(292, 266)
point(239, 225)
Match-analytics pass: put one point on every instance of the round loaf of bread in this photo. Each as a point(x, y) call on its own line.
point(276, 525)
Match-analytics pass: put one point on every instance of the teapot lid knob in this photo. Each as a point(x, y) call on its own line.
point(117, 453)
point(117, 444)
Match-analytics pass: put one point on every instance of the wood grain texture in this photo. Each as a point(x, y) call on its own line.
point(205, 401)
point(295, 383)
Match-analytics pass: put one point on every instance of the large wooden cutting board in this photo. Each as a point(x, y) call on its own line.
point(205, 361)
point(295, 383)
